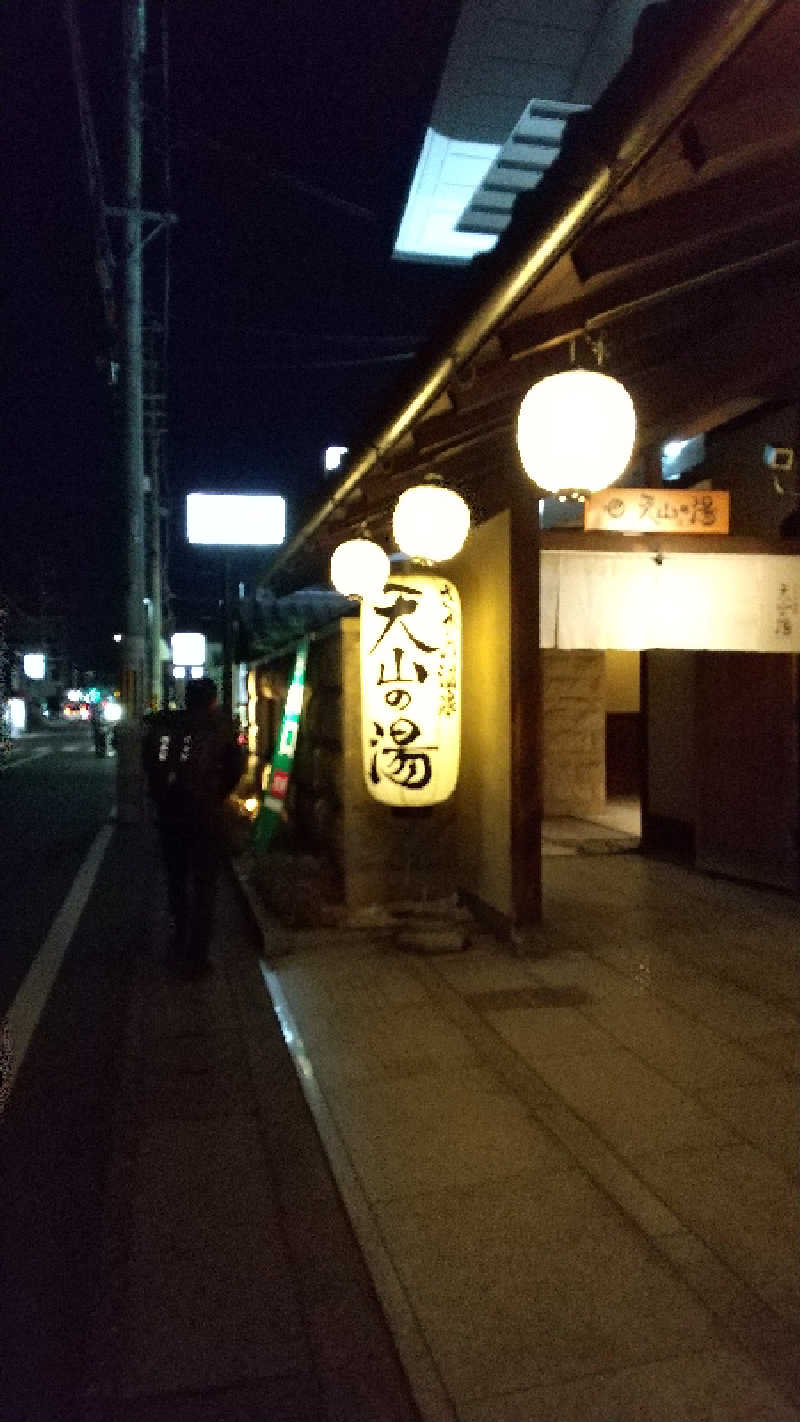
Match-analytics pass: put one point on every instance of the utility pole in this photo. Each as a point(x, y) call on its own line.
point(133, 646)
point(130, 782)
point(155, 431)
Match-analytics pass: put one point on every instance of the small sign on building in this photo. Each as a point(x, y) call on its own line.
point(619, 510)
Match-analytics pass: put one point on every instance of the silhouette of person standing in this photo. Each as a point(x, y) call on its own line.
point(192, 761)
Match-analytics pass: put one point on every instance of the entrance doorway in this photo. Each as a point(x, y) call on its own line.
point(592, 751)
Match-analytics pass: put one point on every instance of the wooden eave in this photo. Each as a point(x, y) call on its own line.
point(691, 275)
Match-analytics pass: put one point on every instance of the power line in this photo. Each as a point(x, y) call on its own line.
point(104, 256)
point(267, 172)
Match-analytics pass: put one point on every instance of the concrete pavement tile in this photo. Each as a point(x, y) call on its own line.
point(533, 1280)
point(771, 1340)
point(437, 1131)
point(539, 1033)
point(688, 1052)
point(775, 1130)
point(782, 1048)
point(741, 1205)
point(717, 1386)
point(729, 1010)
point(580, 970)
point(481, 971)
point(395, 1043)
point(630, 1103)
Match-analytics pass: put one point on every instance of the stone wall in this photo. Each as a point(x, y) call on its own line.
point(573, 732)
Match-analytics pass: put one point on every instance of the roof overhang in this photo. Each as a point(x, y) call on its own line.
point(669, 222)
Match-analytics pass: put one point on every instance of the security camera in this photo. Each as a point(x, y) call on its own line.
point(778, 457)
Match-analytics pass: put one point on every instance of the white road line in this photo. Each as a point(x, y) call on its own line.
point(27, 1007)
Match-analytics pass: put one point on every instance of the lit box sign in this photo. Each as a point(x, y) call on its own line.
point(33, 666)
point(236, 520)
point(411, 690)
point(630, 510)
point(188, 649)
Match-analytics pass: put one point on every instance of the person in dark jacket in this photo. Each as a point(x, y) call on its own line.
point(192, 762)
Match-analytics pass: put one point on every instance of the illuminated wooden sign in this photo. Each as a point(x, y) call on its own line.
point(658, 511)
point(411, 690)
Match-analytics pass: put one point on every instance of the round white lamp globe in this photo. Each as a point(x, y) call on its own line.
point(430, 523)
point(359, 568)
point(575, 431)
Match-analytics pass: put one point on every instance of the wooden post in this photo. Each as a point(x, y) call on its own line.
point(525, 705)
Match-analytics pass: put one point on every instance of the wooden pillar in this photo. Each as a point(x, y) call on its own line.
point(525, 705)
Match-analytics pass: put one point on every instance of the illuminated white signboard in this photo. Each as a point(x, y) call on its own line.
point(411, 690)
point(33, 665)
point(236, 520)
point(188, 648)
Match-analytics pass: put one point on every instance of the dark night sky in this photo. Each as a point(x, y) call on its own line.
point(285, 118)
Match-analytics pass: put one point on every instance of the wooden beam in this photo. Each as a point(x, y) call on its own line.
point(525, 699)
point(718, 207)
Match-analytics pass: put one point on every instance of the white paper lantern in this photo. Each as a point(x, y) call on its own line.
point(411, 691)
point(576, 431)
point(430, 523)
point(359, 568)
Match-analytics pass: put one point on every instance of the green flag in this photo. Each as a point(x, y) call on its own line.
point(280, 772)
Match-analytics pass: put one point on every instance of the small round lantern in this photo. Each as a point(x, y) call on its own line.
point(430, 523)
point(359, 568)
point(575, 431)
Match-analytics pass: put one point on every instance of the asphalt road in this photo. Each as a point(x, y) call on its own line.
point(55, 793)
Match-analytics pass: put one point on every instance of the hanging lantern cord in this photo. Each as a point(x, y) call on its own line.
point(597, 346)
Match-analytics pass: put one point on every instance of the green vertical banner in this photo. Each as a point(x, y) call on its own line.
point(283, 758)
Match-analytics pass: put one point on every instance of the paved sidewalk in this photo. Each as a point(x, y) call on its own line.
point(573, 1174)
point(569, 1178)
point(174, 1244)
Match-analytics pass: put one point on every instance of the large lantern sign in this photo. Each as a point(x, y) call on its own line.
point(576, 431)
point(411, 691)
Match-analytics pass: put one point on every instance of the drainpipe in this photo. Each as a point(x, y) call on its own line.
point(727, 31)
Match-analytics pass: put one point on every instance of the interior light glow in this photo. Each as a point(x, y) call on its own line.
point(16, 713)
point(576, 431)
point(673, 448)
point(334, 454)
point(235, 520)
point(359, 568)
point(430, 523)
